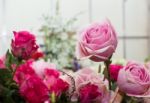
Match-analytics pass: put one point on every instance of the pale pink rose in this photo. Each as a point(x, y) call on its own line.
point(97, 42)
point(86, 78)
point(134, 80)
point(23, 46)
point(40, 65)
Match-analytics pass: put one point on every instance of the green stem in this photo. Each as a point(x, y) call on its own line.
point(107, 63)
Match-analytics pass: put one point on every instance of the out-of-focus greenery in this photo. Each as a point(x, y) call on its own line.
point(59, 40)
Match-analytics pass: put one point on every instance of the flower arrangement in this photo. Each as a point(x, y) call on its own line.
point(26, 78)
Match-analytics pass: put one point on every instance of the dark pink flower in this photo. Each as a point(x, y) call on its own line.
point(37, 55)
point(89, 93)
point(34, 90)
point(23, 72)
point(54, 83)
point(23, 45)
point(114, 70)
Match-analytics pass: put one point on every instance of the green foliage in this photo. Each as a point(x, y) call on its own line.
point(5, 76)
point(9, 92)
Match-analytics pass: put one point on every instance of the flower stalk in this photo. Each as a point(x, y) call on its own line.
point(107, 73)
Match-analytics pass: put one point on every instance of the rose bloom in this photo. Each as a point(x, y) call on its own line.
point(89, 93)
point(114, 70)
point(31, 86)
point(92, 86)
point(97, 42)
point(134, 80)
point(23, 46)
point(34, 90)
point(23, 72)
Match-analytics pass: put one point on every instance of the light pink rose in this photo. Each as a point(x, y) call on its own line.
point(97, 42)
point(23, 46)
point(134, 80)
point(86, 78)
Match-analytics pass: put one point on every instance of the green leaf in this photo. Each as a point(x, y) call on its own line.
point(5, 77)
point(9, 59)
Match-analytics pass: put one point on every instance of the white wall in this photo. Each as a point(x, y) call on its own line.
point(26, 15)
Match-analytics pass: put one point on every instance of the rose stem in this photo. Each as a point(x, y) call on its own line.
point(107, 63)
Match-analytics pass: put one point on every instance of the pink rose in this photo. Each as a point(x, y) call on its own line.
point(98, 42)
point(134, 80)
point(23, 46)
point(114, 70)
point(86, 78)
point(34, 90)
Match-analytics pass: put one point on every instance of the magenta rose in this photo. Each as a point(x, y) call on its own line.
point(91, 84)
point(31, 86)
point(23, 46)
point(134, 80)
point(38, 79)
point(89, 93)
point(114, 70)
point(23, 72)
point(97, 42)
point(34, 90)
point(54, 83)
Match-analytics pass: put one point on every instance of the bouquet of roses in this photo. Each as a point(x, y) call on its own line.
point(26, 78)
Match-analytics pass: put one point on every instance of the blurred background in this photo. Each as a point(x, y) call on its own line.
point(57, 21)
